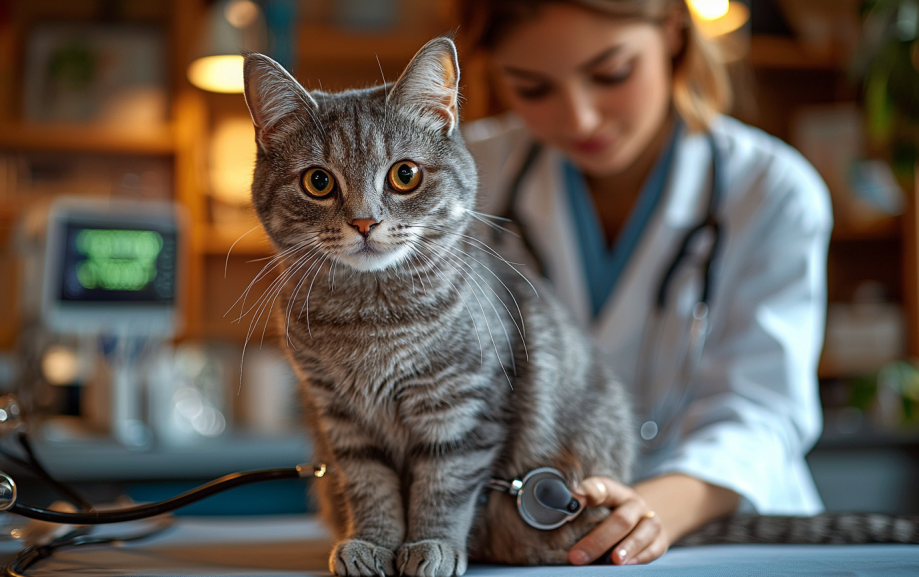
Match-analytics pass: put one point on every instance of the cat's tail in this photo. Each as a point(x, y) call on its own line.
point(827, 528)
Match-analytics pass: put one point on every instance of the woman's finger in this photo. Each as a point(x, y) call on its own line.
point(609, 532)
point(657, 548)
point(604, 491)
point(641, 537)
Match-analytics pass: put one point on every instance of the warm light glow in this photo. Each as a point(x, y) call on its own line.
point(218, 73)
point(60, 365)
point(735, 17)
point(709, 9)
point(232, 159)
point(241, 13)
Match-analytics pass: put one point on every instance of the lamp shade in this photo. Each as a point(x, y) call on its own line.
point(231, 26)
point(719, 17)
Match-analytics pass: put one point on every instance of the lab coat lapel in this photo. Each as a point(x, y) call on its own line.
point(624, 316)
point(544, 209)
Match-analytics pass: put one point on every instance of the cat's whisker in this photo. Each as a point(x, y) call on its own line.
point(292, 301)
point(521, 328)
point(462, 275)
point(271, 265)
point(254, 323)
point(288, 249)
point(267, 302)
point(226, 263)
point(243, 312)
point(437, 271)
point(297, 266)
point(481, 245)
point(306, 303)
point(510, 347)
point(497, 227)
point(492, 216)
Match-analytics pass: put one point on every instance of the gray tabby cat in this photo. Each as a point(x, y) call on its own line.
point(419, 385)
point(429, 364)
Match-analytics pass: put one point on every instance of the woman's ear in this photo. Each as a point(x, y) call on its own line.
point(675, 22)
point(429, 86)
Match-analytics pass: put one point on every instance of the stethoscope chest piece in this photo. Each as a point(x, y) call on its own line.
point(543, 499)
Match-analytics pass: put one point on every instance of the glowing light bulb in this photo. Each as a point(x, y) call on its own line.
point(709, 9)
point(218, 73)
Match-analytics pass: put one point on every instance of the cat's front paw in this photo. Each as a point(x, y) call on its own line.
point(361, 558)
point(430, 558)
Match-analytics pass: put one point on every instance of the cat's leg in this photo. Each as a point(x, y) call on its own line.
point(446, 481)
point(374, 512)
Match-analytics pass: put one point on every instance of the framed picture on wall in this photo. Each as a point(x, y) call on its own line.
point(112, 75)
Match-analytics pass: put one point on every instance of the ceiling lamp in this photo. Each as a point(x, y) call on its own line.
point(232, 26)
point(718, 17)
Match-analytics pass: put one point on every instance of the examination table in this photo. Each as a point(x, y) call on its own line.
point(298, 546)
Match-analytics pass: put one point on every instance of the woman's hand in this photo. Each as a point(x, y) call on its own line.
point(633, 527)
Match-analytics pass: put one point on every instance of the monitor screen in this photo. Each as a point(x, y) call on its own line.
point(115, 264)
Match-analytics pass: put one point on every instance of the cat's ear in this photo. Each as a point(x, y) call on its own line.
point(429, 86)
point(272, 95)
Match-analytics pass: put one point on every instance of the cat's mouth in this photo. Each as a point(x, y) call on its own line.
point(369, 255)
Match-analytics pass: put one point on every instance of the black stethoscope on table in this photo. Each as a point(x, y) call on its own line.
point(657, 430)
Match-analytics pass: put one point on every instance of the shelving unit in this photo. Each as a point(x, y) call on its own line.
point(790, 71)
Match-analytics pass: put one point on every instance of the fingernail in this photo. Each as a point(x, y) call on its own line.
point(579, 557)
point(622, 553)
point(598, 487)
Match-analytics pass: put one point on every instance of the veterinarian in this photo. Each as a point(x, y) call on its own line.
point(615, 156)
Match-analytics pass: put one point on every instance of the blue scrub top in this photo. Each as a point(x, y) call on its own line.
point(603, 265)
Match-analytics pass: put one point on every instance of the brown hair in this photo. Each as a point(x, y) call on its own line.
point(701, 88)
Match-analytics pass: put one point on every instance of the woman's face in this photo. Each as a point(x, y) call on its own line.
point(597, 87)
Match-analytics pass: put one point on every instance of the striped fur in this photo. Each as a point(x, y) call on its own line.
point(828, 528)
point(429, 364)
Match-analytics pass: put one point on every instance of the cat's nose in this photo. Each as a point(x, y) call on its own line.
point(363, 225)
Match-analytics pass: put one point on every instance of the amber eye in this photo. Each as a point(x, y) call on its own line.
point(317, 182)
point(405, 176)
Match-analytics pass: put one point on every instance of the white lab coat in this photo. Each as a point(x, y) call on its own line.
point(753, 410)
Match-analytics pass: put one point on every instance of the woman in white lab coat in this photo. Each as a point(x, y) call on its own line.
point(607, 162)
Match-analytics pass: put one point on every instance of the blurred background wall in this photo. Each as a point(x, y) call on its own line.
point(96, 102)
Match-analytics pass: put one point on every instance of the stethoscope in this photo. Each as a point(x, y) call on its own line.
point(657, 430)
point(542, 496)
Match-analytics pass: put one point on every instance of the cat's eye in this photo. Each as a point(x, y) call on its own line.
point(317, 182)
point(404, 176)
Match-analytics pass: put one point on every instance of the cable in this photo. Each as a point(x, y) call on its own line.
point(76, 538)
point(152, 509)
point(38, 468)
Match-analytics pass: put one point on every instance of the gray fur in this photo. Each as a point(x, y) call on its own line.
point(429, 364)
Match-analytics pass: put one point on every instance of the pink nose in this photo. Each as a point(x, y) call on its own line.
point(364, 225)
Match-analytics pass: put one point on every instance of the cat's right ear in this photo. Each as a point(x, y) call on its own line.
point(272, 95)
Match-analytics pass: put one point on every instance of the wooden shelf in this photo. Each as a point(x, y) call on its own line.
point(327, 44)
point(887, 229)
point(782, 52)
point(74, 138)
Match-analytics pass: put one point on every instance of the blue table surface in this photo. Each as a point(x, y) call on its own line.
point(298, 546)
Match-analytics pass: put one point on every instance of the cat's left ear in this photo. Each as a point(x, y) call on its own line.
point(429, 86)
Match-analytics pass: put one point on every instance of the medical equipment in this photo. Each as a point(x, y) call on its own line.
point(111, 268)
point(656, 430)
point(543, 498)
